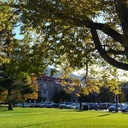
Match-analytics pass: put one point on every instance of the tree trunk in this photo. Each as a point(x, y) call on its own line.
point(9, 99)
point(10, 105)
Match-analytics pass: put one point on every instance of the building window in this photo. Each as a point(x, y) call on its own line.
point(45, 79)
point(44, 92)
point(45, 86)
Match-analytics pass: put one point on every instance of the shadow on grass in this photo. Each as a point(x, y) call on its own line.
point(3, 109)
point(105, 115)
point(125, 112)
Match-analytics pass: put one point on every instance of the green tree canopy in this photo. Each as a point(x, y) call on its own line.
point(79, 28)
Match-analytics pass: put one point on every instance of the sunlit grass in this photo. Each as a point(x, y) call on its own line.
point(64, 118)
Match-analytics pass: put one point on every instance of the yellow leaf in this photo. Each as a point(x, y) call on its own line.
point(63, 0)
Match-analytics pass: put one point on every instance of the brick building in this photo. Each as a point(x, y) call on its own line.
point(48, 86)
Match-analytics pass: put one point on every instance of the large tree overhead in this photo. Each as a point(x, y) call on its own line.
point(79, 27)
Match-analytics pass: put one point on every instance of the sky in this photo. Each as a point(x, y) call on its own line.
point(17, 32)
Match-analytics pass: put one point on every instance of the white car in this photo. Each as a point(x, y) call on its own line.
point(18, 105)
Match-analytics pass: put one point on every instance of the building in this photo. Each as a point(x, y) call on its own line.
point(48, 86)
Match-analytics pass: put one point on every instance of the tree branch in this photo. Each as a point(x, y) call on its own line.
point(92, 25)
point(100, 26)
point(116, 52)
point(104, 54)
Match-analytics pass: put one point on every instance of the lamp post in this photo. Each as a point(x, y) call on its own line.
point(117, 101)
point(117, 92)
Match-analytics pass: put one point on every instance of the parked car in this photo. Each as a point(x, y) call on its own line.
point(92, 106)
point(125, 108)
point(18, 105)
point(103, 106)
point(53, 105)
point(44, 104)
point(47, 105)
point(65, 104)
point(27, 104)
point(40, 105)
point(115, 107)
point(33, 105)
point(72, 106)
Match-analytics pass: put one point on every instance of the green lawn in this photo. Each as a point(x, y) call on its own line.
point(60, 118)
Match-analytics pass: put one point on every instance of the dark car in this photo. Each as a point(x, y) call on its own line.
point(55, 105)
point(92, 106)
point(115, 107)
point(103, 106)
point(125, 109)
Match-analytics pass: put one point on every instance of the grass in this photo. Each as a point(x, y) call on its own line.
point(60, 118)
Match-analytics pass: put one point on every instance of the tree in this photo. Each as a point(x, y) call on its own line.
point(106, 95)
point(6, 35)
point(20, 59)
point(79, 27)
point(25, 90)
point(61, 96)
point(34, 86)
